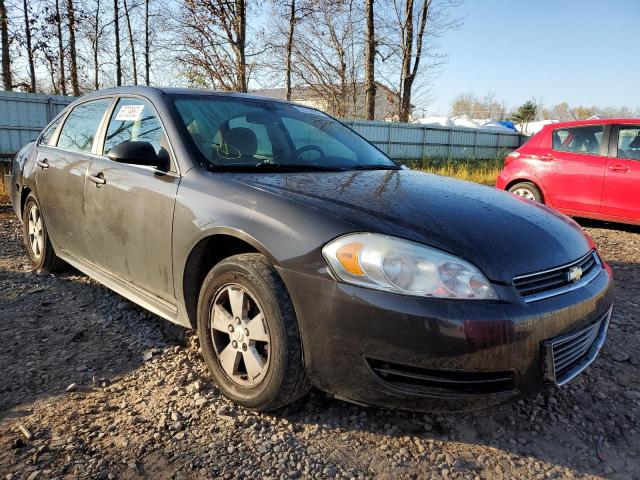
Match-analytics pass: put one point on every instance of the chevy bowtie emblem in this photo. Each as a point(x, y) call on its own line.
point(574, 274)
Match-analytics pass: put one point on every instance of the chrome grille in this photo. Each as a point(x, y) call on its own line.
point(567, 355)
point(536, 286)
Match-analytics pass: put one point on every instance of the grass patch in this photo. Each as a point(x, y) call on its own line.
point(478, 171)
point(4, 194)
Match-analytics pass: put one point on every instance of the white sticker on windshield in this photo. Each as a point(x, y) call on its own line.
point(129, 113)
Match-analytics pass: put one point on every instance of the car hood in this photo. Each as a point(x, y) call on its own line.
point(501, 234)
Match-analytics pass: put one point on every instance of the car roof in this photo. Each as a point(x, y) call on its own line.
point(158, 92)
point(595, 121)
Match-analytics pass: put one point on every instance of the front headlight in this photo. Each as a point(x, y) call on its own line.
point(400, 266)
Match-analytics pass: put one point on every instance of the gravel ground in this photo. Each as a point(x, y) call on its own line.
point(92, 386)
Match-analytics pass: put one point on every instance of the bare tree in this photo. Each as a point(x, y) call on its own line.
point(131, 42)
point(116, 28)
point(474, 107)
point(370, 63)
point(94, 29)
point(147, 45)
point(58, 21)
point(7, 82)
point(410, 71)
point(328, 57)
point(73, 57)
point(213, 33)
point(289, 48)
point(411, 29)
point(286, 19)
point(28, 46)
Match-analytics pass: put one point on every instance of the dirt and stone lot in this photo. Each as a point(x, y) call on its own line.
point(92, 386)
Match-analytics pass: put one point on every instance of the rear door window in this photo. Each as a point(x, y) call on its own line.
point(81, 125)
point(629, 142)
point(585, 140)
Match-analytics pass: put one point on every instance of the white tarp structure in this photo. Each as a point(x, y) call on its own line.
point(465, 122)
point(442, 121)
point(532, 128)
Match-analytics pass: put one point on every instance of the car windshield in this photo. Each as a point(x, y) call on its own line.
point(233, 133)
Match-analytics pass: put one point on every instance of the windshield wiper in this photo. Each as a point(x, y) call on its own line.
point(375, 167)
point(298, 167)
point(274, 167)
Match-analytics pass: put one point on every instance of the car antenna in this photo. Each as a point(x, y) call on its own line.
point(573, 115)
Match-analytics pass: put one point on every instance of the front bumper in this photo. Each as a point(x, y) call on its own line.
point(379, 348)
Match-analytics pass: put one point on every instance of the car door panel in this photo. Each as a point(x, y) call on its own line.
point(60, 187)
point(621, 194)
point(61, 173)
point(129, 208)
point(129, 221)
point(575, 180)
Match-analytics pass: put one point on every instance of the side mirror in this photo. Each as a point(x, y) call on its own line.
point(136, 153)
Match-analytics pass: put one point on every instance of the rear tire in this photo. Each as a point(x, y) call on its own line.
point(527, 190)
point(36, 238)
point(251, 344)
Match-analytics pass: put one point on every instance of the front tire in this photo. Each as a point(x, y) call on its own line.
point(36, 238)
point(527, 190)
point(249, 334)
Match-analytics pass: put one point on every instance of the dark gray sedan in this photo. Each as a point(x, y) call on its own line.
point(305, 257)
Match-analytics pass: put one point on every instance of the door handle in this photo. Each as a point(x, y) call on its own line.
point(43, 164)
point(619, 168)
point(98, 179)
point(547, 158)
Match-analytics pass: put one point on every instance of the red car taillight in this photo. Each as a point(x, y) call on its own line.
point(510, 158)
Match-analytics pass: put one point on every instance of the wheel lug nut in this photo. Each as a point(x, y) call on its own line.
point(234, 344)
point(246, 332)
point(244, 347)
point(230, 328)
point(238, 320)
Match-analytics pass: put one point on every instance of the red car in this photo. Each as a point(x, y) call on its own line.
point(585, 168)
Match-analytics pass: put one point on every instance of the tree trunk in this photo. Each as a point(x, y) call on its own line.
point(131, 44)
point(292, 24)
point(95, 45)
point(116, 27)
point(370, 59)
point(147, 59)
point(63, 79)
point(72, 48)
point(7, 82)
point(241, 60)
point(27, 30)
point(406, 81)
point(53, 80)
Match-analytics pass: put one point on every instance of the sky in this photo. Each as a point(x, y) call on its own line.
point(584, 52)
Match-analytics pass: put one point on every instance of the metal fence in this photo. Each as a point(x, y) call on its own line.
point(403, 141)
point(24, 115)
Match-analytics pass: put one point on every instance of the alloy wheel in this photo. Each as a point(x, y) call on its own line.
point(35, 233)
point(523, 192)
point(240, 335)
